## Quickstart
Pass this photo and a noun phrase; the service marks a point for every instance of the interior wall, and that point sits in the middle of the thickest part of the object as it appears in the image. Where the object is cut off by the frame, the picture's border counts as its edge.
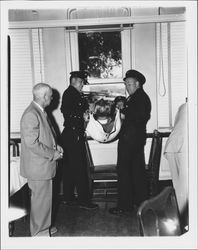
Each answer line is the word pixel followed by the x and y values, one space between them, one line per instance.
pixel 55 66
pixel 143 59
pixel 145 62
pixel 55 53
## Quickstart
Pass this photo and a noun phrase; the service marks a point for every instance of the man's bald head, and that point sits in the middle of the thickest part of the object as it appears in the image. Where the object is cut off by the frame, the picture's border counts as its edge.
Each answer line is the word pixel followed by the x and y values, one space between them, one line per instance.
pixel 42 94
pixel 39 90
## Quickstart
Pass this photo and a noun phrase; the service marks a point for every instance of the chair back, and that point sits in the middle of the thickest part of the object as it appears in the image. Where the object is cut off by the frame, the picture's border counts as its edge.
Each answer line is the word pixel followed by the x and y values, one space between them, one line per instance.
pixel 154 163
pixel 90 167
pixel 14 148
pixel 19 202
pixel 159 216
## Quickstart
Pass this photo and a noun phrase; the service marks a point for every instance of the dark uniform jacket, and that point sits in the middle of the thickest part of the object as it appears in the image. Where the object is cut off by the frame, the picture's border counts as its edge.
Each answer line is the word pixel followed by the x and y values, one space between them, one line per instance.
pixel 73 107
pixel 137 114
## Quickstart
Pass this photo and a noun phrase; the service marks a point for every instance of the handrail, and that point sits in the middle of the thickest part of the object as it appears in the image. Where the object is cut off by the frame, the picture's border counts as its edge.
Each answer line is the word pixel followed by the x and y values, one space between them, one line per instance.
pixel 148 135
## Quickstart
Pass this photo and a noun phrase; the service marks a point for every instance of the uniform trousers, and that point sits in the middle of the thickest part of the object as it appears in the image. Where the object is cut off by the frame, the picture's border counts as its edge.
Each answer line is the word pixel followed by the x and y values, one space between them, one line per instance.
pixel 41 207
pixel 75 171
pixel 132 180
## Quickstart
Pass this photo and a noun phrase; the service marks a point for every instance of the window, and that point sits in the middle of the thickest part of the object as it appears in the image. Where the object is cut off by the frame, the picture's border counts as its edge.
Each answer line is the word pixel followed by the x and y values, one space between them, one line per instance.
pixel 102 50
pixel 100 54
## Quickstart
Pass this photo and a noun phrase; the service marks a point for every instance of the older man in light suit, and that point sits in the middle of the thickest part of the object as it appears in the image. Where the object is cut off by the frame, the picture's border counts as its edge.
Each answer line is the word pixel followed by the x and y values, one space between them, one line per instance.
pixel 176 152
pixel 39 153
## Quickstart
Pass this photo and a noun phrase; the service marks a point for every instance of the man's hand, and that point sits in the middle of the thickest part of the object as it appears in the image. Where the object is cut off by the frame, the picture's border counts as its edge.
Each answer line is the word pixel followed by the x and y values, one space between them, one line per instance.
pixel 86 116
pixel 58 153
pixel 60 149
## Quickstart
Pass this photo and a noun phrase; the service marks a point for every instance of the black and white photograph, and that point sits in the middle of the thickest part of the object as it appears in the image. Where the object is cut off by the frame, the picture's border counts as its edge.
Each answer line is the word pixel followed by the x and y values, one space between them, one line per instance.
pixel 99 125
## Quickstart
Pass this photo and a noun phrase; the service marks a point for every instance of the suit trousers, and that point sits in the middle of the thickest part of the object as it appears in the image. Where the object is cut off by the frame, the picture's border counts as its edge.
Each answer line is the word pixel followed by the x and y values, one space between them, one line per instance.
pixel 178 164
pixel 132 180
pixel 75 169
pixel 41 207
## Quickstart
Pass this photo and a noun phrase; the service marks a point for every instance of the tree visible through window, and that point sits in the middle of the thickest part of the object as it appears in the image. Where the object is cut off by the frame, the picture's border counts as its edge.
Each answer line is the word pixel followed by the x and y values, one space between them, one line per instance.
pixel 100 54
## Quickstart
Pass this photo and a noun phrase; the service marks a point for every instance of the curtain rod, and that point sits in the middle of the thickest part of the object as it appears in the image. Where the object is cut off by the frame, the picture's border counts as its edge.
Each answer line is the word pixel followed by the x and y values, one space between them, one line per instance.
pixel 96 21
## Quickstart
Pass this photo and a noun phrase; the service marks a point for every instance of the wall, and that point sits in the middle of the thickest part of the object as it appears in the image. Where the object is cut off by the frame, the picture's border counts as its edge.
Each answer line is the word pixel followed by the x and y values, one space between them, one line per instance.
pixel 144 60
pixel 143 49
pixel 55 67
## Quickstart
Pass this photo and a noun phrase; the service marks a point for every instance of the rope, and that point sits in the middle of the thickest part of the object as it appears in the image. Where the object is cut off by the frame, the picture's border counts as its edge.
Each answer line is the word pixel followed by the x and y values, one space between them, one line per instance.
pixel 161 66
pixel 39 42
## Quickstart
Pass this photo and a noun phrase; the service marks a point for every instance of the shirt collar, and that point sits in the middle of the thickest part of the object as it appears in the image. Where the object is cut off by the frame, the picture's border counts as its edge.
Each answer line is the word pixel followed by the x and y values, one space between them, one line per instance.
pixel 39 106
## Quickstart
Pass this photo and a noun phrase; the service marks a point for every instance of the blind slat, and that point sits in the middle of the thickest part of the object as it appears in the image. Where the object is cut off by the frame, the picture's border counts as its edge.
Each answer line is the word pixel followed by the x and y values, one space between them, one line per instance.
pixel 171 101
pixel 24 68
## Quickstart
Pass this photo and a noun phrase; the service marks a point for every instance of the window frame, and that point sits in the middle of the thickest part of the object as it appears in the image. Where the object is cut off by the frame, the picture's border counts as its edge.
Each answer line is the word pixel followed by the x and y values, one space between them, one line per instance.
pixel 96 81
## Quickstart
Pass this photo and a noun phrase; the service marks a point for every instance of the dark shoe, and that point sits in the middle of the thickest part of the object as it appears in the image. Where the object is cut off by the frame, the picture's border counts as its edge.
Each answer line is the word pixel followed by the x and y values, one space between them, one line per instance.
pixel 118 211
pixel 53 230
pixel 88 206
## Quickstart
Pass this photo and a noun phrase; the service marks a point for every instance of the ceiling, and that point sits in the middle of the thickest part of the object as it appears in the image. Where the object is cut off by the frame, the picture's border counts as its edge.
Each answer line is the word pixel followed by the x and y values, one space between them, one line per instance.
pixel 80 13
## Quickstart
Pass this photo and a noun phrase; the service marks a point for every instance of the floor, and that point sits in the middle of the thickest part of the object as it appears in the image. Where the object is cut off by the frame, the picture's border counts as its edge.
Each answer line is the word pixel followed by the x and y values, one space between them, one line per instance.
pixel 76 221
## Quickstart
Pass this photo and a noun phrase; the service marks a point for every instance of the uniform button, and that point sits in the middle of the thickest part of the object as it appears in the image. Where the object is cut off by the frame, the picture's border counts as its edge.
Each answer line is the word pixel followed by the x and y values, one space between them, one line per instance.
pixel 54 146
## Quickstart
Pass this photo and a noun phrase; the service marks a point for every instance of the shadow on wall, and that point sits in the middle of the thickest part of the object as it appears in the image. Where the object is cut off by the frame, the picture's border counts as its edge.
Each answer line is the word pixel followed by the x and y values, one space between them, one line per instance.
pixel 57 179
pixel 53 106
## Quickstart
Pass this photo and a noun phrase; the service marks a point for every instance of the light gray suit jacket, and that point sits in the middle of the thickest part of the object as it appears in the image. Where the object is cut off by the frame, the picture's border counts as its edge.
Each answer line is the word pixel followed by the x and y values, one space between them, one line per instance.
pixel 38 145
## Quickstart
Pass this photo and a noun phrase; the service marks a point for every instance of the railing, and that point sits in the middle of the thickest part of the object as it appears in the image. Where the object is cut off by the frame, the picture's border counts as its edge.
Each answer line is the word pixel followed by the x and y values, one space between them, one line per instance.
pixel 152 167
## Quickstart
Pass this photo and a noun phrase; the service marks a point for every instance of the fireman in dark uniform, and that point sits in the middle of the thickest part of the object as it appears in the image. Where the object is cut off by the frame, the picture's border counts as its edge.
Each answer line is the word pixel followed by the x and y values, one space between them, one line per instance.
pixel 132 181
pixel 75 174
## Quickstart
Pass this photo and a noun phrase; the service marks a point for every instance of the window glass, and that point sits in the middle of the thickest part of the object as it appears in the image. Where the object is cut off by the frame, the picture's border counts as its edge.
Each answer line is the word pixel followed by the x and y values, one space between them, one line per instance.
pixel 100 54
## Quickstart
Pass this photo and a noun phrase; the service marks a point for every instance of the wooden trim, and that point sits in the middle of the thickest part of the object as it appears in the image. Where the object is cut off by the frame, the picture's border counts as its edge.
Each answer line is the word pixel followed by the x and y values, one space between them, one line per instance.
pixel 96 21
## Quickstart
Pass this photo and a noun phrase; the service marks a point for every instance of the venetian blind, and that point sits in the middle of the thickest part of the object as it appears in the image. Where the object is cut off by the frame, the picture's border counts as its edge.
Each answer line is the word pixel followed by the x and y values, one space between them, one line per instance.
pixel 178 55
pixel 171 71
pixel 26 61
